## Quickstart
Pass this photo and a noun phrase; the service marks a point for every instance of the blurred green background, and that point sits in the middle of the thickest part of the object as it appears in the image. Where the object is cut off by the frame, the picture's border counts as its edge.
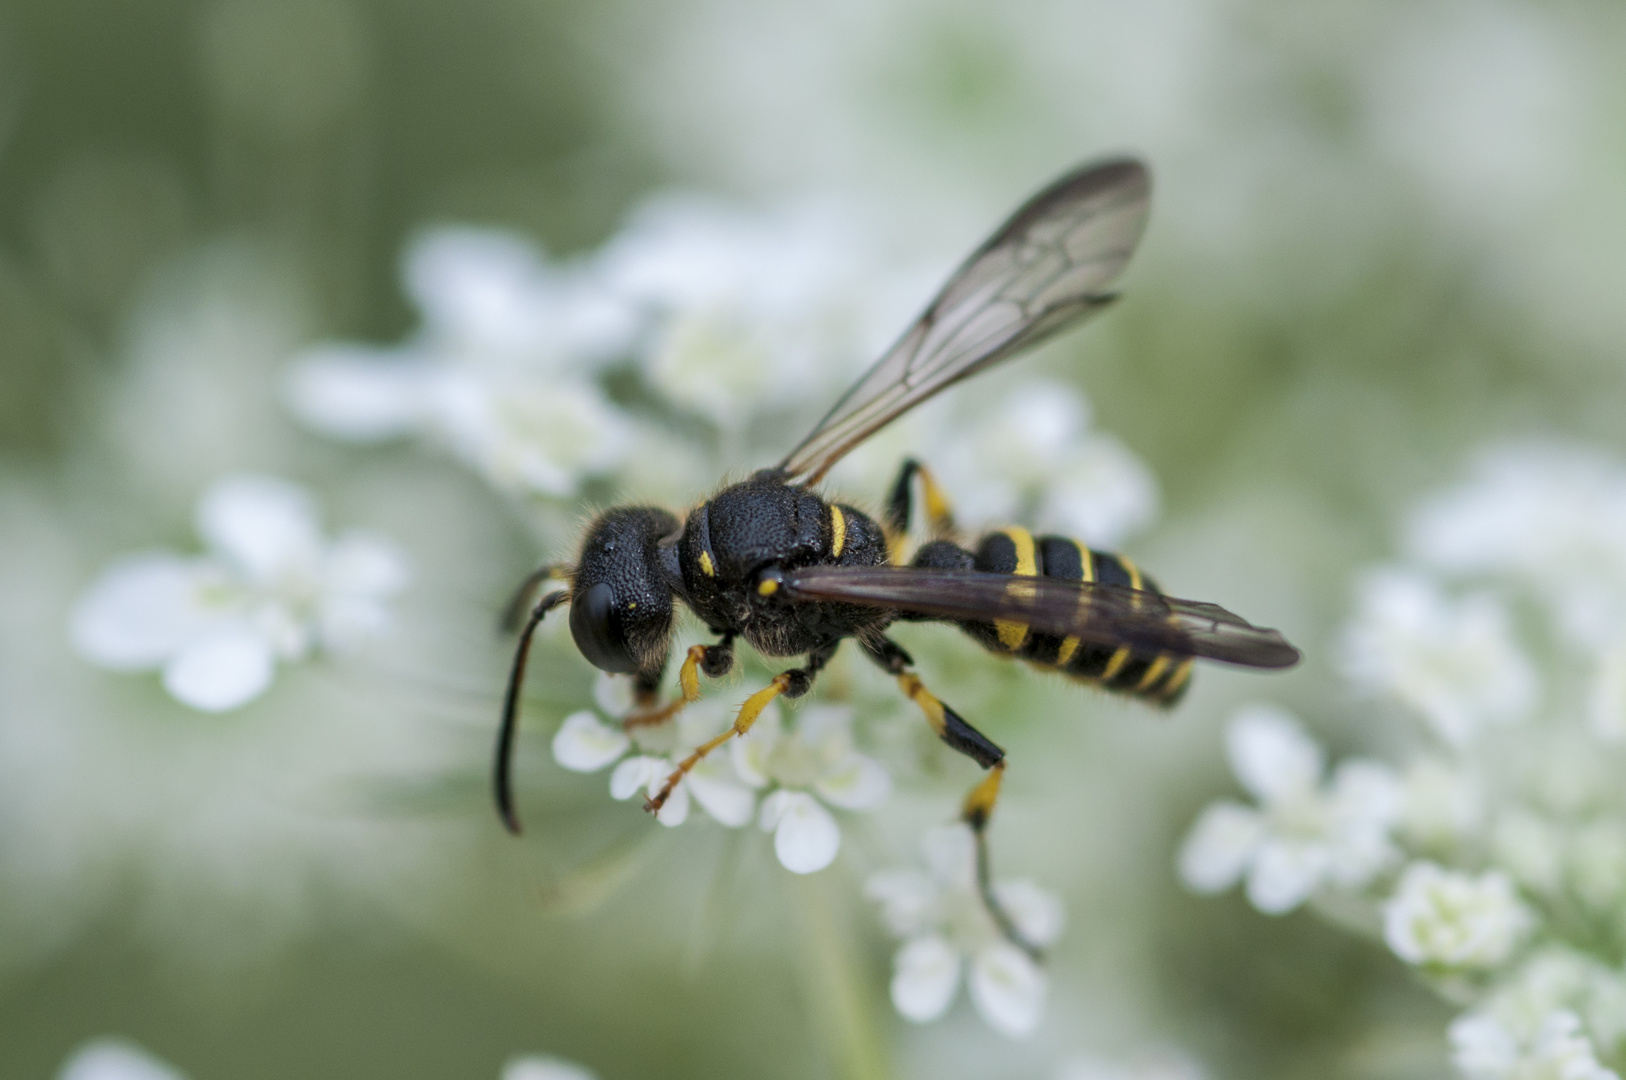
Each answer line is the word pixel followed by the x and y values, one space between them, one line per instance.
pixel 1382 233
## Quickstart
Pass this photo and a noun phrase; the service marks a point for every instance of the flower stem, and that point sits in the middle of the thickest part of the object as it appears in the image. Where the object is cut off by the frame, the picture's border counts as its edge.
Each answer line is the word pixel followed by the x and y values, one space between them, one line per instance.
pixel 833 983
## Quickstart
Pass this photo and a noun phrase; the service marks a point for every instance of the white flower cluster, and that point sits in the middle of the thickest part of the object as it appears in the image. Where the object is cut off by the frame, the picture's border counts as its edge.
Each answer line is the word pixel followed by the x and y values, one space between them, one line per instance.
pixel 796 771
pixel 543 376
pixel 946 929
pixel 269 589
pixel 1495 861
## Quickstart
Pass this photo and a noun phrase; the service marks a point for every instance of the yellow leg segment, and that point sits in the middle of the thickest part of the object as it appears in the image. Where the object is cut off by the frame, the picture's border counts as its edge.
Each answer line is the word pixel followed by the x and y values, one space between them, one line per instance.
pixel 742 723
pixel 688 681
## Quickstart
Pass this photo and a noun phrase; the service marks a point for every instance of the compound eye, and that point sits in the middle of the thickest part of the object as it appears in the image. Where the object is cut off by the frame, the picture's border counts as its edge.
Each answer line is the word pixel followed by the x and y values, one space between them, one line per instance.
pixel 596 626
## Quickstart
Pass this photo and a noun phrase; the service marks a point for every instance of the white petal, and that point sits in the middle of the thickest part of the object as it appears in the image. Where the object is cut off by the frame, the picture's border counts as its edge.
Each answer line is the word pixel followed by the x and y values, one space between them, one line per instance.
pixel 476 286
pixel 675 811
pixel 751 752
pixel 613 694
pixel 856 782
pixel 114 1059
pixel 220 672
pixel 908 899
pixel 583 744
pixel 1219 847
pixel 635 774
pixel 140 611
pixel 1007 988
pixel 1271 754
pixel 261 524
pixel 1285 874
pixel 805 836
pixel 721 794
pixel 367 564
pixel 356 393
pixel 1038 914
pixel 925 974
pixel 537 1067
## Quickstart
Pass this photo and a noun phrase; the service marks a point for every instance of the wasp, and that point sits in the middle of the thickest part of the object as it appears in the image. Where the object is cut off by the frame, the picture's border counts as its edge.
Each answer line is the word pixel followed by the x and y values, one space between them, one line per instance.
pixel 773 562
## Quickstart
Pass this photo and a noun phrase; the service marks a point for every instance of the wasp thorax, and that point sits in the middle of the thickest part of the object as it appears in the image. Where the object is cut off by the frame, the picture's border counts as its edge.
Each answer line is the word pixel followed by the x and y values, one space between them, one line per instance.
pixel 621 597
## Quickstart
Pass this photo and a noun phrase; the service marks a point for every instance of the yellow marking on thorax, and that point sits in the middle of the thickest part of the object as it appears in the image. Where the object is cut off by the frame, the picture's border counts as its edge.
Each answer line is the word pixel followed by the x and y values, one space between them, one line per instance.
pixel 706 566
pixel 838 531
pixel 1013 634
pixel 1086 562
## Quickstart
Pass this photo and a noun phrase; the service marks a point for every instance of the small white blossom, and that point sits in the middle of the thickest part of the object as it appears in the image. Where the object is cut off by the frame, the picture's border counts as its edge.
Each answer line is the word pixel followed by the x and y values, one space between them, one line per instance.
pixel 1483 1049
pixel 1303 834
pixel 1551 515
pixel 269 588
pixel 585 743
pixel 1035 458
pixel 945 927
pixel 1440 804
pixel 817 758
pixel 115 1059
pixel 1455 662
pixel 1443 917
pixel 749 309
pixel 544 1067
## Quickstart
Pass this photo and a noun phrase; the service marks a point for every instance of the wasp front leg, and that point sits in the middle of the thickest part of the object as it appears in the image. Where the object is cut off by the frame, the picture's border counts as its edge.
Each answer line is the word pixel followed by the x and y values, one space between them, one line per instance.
pixel 716 660
pixel 790 684
pixel 978 807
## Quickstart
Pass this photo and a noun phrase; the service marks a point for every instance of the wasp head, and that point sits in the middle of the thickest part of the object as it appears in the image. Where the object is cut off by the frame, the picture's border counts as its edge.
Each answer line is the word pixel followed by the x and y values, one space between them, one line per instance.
pixel 621 596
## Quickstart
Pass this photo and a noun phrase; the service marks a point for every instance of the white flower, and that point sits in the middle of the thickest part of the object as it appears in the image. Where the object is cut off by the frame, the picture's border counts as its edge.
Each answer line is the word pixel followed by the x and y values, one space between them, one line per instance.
pixel 1035 458
pixel 1440 804
pixel 584 743
pixel 1455 662
pixel 944 925
pixel 817 758
pixel 748 309
pixel 501 372
pixel 1302 835
pixel 1452 919
pixel 1483 1049
pixel 543 1067
pixel 270 588
pixel 1553 516
pixel 115 1059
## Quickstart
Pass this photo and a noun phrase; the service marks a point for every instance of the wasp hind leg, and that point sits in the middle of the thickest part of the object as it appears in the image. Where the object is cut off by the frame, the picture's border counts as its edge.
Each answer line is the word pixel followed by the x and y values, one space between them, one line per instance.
pixel 978 807
pixel 791 684
pixel 900 507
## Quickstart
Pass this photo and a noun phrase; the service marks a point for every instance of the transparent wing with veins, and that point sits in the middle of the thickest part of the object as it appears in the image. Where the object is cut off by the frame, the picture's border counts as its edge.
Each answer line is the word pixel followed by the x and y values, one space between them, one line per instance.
pixel 1047 268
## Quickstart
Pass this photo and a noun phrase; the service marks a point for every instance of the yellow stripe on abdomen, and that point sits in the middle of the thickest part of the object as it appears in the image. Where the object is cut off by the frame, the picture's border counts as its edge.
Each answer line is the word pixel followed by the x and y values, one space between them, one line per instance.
pixel 1012 635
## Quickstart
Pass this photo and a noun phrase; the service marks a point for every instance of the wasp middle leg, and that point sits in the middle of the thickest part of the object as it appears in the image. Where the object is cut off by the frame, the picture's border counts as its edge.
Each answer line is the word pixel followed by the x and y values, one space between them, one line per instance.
pixel 978 807
pixel 790 684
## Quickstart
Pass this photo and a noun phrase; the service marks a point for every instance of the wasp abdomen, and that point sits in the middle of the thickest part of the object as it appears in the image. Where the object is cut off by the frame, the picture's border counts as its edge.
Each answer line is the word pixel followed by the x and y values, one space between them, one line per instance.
pixel 1155 677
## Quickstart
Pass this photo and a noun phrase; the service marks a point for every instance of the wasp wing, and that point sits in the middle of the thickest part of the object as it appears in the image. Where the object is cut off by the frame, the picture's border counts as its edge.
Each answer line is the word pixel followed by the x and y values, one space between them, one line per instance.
pixel 1105 614
pixel 1047 268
